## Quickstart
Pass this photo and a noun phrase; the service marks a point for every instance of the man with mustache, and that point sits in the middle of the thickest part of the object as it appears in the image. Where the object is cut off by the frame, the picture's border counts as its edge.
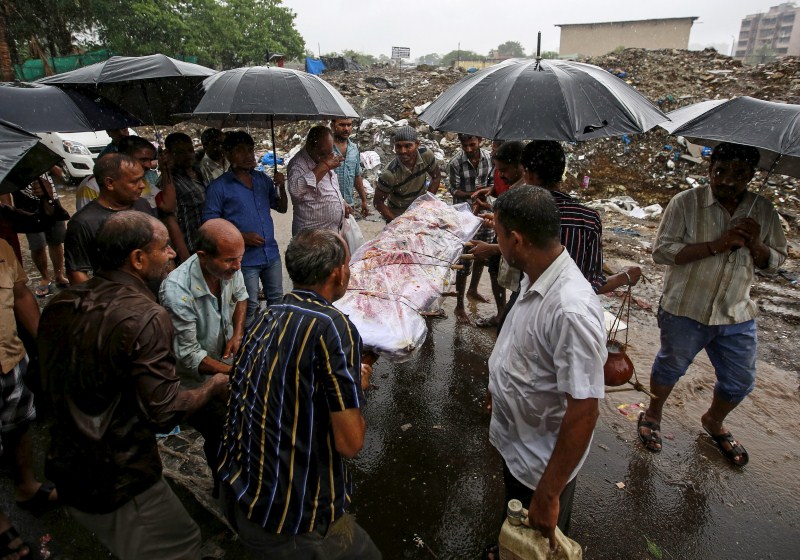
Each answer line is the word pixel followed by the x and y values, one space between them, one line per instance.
pixel 244 196
pixel 121 179
pixel 108 365
pixel 711 239
pixel 207 301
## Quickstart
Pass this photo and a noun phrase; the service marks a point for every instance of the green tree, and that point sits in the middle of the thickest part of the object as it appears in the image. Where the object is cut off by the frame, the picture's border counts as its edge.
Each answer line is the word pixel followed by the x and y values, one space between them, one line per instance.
pixel 222 34
pixel 51 24
pixel 359 57
pixel 452 56
pixel 511 48
pixel 433 59
pixel 548 54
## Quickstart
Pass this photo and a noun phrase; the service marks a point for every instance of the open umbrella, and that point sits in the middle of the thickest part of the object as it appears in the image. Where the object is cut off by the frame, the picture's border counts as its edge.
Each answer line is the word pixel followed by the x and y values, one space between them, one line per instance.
pixel 260 95
pixel 151 87
pixel 544 100
pixel 41 108
pixel 773 128
pixel 22 158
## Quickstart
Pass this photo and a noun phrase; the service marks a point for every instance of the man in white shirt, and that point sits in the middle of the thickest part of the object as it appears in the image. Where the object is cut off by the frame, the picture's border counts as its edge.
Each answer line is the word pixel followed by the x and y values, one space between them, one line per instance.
pixel 546 369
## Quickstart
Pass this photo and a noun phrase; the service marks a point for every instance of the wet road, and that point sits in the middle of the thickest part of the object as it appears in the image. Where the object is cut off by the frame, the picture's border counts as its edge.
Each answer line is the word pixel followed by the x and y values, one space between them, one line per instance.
pixel 427 469
pixel 440 479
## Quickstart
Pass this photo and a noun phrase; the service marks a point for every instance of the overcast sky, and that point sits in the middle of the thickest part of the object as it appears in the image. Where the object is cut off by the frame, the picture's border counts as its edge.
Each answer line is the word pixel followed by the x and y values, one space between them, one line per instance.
pixel 437 26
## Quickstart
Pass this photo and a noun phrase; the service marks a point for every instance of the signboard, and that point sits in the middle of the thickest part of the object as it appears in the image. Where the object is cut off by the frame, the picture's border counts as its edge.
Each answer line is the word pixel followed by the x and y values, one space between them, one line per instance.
pixel 401 52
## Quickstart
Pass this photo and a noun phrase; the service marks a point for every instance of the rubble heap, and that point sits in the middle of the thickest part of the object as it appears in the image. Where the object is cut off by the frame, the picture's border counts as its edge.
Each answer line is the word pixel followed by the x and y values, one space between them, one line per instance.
pixel 649 167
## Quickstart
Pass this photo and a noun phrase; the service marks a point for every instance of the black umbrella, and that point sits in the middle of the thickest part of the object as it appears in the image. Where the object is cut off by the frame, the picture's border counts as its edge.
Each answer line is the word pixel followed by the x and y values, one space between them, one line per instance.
pixel 151 87
pixel 773 128
pixel 41 108
pixel 260 95
pixel 22 158
pixel 544 100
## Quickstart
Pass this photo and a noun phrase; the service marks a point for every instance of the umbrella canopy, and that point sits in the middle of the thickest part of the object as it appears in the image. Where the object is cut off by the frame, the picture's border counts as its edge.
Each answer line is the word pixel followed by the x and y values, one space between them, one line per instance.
pixel 259 95
pixel 773 128
pixel 542 100
pixel 41 108
pixel 22 158
pixel 151 87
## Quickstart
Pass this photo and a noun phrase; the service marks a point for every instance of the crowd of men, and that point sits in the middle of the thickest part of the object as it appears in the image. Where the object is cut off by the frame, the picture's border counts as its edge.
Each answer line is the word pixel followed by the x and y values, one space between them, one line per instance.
pixel 137 345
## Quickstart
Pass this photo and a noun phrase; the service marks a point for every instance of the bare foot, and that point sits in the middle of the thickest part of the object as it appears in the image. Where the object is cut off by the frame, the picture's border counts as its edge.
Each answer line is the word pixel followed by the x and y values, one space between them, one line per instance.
pixel 461 317
pixel 475 296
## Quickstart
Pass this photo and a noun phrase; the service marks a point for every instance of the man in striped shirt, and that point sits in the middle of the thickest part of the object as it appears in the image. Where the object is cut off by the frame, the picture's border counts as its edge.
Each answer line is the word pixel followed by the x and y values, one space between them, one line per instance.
pixel 581 229
pixel 295 415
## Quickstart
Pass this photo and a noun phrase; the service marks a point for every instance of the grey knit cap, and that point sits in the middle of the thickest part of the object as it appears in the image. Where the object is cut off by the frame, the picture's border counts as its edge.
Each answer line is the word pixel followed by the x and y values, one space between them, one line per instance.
pixel 405 134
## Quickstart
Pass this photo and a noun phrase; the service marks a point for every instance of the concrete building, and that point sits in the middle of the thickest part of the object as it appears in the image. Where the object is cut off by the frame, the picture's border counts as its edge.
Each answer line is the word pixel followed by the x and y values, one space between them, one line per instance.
pixel 594 39
pixel 765 36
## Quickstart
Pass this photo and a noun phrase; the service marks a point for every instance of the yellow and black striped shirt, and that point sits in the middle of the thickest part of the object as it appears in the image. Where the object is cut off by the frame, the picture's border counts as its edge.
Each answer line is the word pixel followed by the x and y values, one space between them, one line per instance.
pixel 299 362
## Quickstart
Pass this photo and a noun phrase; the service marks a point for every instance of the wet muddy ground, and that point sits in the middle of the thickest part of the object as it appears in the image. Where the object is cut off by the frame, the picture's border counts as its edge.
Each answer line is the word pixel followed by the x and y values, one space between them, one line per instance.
pixel 427 471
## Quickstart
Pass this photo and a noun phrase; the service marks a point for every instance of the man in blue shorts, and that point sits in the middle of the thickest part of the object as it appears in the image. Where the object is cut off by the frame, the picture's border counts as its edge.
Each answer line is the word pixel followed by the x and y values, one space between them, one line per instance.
pixel 711 239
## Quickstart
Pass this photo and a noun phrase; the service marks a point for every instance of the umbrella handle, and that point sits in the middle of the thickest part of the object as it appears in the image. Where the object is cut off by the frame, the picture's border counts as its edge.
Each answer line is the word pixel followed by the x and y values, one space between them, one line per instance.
pixel 764 183
pixel 274 153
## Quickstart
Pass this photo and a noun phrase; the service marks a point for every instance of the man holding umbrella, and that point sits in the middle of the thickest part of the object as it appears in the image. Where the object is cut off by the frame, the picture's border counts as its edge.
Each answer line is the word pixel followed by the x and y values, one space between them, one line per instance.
pixel 711 239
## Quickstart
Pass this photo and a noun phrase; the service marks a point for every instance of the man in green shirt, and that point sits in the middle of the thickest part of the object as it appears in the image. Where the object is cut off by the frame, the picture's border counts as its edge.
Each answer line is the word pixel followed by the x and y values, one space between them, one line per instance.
pixel 406 177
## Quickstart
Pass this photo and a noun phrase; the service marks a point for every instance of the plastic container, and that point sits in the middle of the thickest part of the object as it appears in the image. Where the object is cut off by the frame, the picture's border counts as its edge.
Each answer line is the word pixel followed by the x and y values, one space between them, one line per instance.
pixel 520 542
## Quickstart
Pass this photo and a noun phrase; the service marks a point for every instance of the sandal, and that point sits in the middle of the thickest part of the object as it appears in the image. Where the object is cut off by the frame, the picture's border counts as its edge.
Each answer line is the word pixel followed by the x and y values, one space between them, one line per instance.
pixel 653 439
pixel 43 290
pixel 491 552
pixel 6 538
pixel 486 322
pixel 735 450
pixel 40 502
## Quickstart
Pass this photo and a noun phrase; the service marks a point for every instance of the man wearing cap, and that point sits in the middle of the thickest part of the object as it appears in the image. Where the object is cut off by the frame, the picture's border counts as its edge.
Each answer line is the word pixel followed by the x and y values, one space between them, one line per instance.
pixel 406 177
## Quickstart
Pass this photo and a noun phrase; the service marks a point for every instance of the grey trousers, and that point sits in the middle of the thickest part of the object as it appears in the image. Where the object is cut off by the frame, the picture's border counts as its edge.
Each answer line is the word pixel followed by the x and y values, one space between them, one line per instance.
pixel 153 525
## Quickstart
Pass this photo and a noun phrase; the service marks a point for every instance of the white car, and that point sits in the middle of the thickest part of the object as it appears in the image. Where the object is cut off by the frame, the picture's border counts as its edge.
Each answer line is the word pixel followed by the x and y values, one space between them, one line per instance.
pixel 79 150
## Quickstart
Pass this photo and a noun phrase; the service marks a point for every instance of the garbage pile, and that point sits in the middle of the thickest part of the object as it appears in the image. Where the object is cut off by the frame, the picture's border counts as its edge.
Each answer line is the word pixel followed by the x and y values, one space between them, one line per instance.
pixel 651 168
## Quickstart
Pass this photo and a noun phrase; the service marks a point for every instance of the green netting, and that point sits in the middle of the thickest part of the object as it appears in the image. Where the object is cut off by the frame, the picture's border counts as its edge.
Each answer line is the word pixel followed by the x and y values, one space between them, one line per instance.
pixel 33 69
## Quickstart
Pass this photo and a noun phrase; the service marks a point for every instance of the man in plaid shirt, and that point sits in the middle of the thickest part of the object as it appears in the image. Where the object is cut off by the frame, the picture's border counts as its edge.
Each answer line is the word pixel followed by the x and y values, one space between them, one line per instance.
pixel 470 170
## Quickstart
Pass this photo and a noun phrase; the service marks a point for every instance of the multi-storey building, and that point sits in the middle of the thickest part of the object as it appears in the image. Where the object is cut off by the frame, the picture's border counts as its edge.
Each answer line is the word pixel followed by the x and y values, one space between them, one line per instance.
pixel 773 34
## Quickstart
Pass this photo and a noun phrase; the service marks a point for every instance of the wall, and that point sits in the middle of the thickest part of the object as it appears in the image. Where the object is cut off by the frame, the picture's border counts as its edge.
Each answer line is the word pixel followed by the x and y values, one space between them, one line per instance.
pixel 594 39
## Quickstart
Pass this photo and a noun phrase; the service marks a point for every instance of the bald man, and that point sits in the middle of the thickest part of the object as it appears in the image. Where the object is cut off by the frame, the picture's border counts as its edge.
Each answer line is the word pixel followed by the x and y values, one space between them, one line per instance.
pixel 207 300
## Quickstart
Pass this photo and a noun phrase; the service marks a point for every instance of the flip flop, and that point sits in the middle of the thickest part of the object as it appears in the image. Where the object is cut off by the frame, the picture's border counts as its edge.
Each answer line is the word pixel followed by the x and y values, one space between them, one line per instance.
pixel 653 438
pixel 43 290
pixel 736 449
pixel 40 502
pixel 6 538
pixel 485 322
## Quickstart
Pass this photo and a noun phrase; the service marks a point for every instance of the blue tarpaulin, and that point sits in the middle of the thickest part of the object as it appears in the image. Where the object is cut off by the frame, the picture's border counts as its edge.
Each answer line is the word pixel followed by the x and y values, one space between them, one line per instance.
pixel 314 66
